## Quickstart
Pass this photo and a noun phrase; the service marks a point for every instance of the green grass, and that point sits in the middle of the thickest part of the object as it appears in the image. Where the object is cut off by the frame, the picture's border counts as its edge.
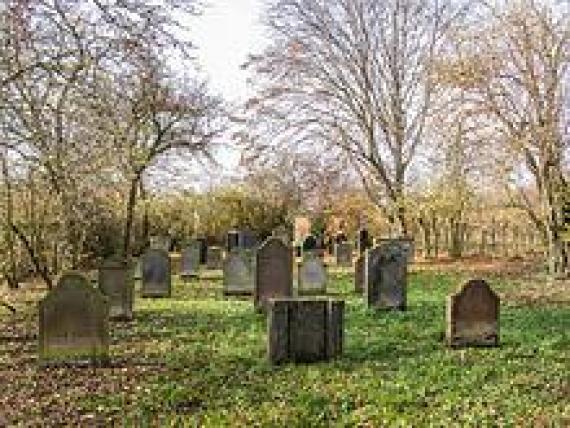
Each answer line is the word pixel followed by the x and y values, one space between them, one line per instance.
pixel 202 361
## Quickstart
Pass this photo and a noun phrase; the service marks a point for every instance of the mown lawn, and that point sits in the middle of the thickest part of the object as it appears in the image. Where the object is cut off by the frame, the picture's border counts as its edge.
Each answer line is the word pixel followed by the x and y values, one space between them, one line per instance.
pixel 199 359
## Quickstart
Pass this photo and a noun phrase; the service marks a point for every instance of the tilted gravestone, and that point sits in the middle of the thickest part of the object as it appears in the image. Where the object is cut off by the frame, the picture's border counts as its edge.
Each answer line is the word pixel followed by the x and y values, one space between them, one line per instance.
pixel 359 274
pixel 73 323
pixel 343 253
pixel 215 258
pixel 273 273
pixel 190 260
pixel 473 316
pixel 312 276
pixel 239 272
pixel 116 281
pixel 304 330
pixel 385 276
pixel 156 275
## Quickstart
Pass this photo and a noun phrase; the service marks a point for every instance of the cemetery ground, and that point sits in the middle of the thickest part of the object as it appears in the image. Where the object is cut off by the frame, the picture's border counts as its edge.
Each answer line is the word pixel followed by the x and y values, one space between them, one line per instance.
pixel 199 358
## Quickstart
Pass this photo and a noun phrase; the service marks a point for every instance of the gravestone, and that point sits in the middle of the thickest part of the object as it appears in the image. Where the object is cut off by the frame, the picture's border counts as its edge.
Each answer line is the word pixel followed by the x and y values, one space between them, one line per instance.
pixel 385 276
pixel 407 245
pixel 304 330
pixel 160 242
pixel 156 275
pixel 312 276
pixel 190 260
pixel 473 316
pixel 248 240
pixel 343 254
pixel 233 240
pixel 117 283
pixel 73 323
pixel 359 274
pixel 239 272
pixel 215 258
pixel 274 272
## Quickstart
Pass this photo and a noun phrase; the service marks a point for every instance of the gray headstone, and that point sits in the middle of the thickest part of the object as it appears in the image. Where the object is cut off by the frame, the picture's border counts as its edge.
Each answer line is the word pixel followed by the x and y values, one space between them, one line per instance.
pixel 239 272
pixel 190 260
pixel 215 258
pixel 74 323
pixel 359 274
pixel 473 316
pixel 312 276
pixel 343 252
pixel 274 272
pixel 117 283
pixel 304 330
pixel 156 275
pixel 385 276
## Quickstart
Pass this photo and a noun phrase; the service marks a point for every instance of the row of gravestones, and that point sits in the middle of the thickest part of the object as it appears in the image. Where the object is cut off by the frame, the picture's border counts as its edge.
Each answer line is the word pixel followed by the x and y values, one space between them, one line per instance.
pixel 74 315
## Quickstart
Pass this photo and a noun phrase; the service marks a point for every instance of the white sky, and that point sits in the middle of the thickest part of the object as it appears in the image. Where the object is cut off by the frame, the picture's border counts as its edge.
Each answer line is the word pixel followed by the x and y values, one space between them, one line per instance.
pixel 225 34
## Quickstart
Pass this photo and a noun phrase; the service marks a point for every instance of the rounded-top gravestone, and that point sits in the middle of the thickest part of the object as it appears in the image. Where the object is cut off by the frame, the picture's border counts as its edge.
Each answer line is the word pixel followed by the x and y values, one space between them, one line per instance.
pixel 156 275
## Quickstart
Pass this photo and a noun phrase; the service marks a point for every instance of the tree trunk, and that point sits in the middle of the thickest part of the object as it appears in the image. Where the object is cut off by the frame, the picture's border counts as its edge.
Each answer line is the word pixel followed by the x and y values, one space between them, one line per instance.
pixel 129 216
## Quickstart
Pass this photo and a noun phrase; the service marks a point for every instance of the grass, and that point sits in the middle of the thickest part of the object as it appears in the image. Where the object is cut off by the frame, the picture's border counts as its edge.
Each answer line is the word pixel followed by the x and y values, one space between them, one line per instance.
pixel 199 359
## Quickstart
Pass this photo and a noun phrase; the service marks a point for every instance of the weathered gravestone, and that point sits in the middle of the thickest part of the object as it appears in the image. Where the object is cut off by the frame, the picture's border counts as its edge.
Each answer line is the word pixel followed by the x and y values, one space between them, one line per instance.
pixel 74 323
pixel 239 272
pixel 116 281
pixel 156 275
pixel 190 260
pixel 233 240
pixel 273 273
pixel 407 245
pixel 359 274
pixel 312 276
pixel 160 242
pixel 343 254
pixel 473 316
pixel 304 330
pixel 215 258
pixel 385 276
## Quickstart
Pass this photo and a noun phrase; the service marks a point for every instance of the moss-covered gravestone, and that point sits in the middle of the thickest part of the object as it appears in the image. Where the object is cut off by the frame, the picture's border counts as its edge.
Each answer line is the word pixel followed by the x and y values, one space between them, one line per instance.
pixel 343 254
pixel 239 272
pixel 473 316
pixel 190 260
pixel 117 283
pixel 304 330
pixel 156 275
pixel 312 275
pixel 273 272
pixel 385 276
pixel 74 323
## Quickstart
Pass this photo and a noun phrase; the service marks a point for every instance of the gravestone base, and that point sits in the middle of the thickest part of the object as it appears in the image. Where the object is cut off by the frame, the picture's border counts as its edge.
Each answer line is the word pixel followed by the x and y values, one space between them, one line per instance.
pixel 304 330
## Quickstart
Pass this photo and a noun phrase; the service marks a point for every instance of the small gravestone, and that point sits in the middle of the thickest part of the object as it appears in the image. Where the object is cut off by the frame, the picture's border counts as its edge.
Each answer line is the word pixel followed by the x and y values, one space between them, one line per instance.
pixel 274 272
pixel 73 323
pixel 359 274
pixel 473 316
pixel 190 260
pixel 215 258
pixel 160 242
pixel 233 240
pixel 117 283
pixel 385 276
pixel 156 275
pixel 239 272
pixel 407 245
pixel 304 330
pixel 312 276
pixel 343 254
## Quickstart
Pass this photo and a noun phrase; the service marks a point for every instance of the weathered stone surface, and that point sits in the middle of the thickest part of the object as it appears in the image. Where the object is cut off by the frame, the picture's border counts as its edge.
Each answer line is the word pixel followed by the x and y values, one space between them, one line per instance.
pixel 156 275
pixel 312 276
pixel 137 275
pixel 407 244
pixel 359 274
pixel 304 330
pixel 239 272
pixel 274 272
pixel 73 323
pixel 233 238
pixel 473 316
pixel 190 260
pixel 215 258
pixel 385 276
pixel 117 283
pixel 343 253
pixel 160 242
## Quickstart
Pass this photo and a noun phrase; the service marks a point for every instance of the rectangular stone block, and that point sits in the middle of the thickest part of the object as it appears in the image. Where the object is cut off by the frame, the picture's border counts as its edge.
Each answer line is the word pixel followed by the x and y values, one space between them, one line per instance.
pixel 343 253
pixel 117 283
pixel 215 258
pixel 156 276
pixel 312 276
pixel 190 260
pixel 239 272
pixel 385 276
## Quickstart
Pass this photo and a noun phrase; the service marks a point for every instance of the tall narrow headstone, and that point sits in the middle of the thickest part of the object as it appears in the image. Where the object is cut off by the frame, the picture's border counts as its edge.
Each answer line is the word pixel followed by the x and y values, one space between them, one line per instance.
pixel 473 316
pixel 190 260
pixel 385 276
pixel 203 250
pixel 233 240
pixel 73 323
pixel 359 274
pixel 116 281
pixel 239 272
pixel 274 272
pixel 156 281
pixel 215 258
pixel 312 276
pixel 343 253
